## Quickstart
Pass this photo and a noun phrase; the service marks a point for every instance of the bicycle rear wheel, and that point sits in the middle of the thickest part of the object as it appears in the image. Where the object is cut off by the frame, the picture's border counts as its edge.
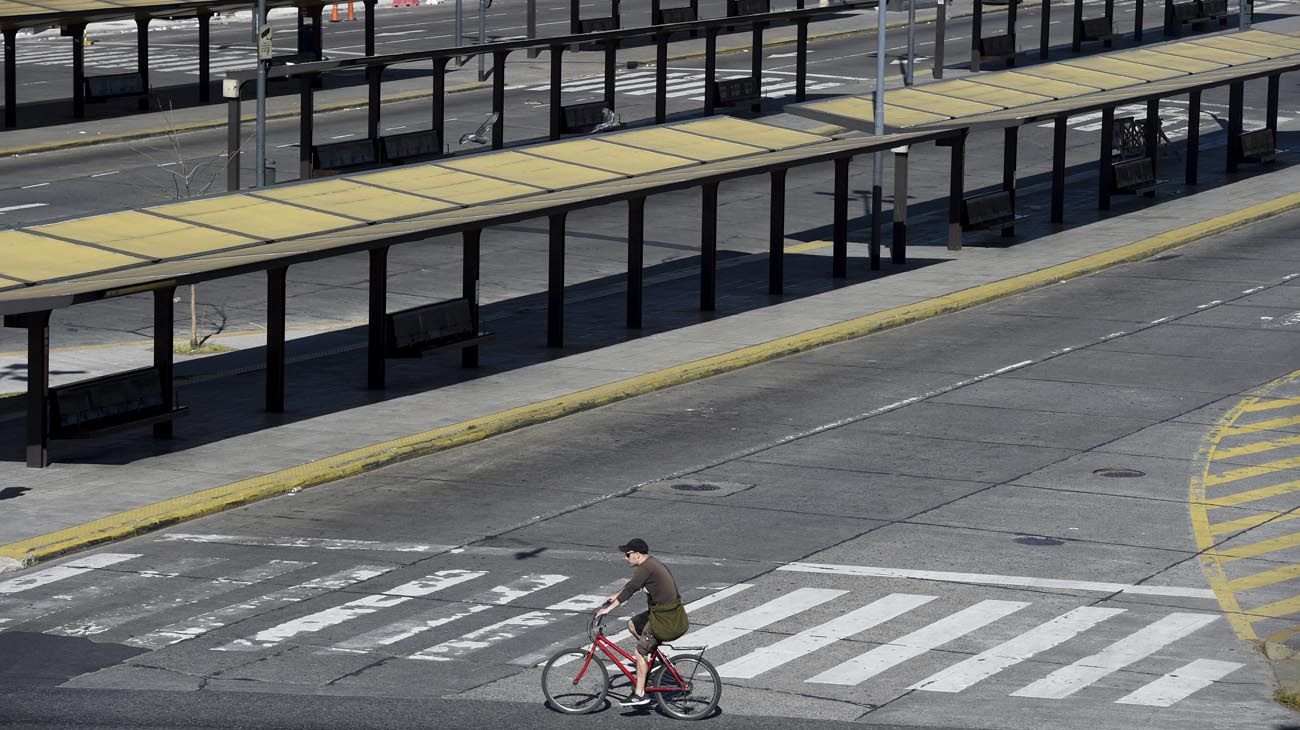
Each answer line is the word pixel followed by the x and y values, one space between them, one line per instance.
pixel 575 686
pixel 694 699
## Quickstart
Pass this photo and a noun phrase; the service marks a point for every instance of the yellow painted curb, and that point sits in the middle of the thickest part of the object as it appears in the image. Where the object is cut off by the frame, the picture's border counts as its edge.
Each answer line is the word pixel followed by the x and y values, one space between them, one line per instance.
pixel 357 461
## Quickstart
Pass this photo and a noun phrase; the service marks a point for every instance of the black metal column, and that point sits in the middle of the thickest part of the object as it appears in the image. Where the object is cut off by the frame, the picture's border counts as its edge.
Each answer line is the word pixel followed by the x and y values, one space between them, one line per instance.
pixel 1110 21
pixel 611 66
pixel 710 66
pixel 369 5
pixel 499 98
pixel 557 81
pixel 205 55
pixel 635 261
pixel 840 227
pixel 469 278
pixel 1270 117
pixel 977 30
pixel 756 62
pixel 232 144
pixel 306 125
pixel 142 48
pixel 956 188
pixel 1044 33
pixel 1011 31
pixel 555 283
pixel 661 78
pixel 275 356
pixel 377 336
pixel 1171 24
pixel 709 247
pixel 898 241
pixel 1077 43
pixel 1058 169
pixel 1236 98
pixel 1106 160
pixel 1138 20
pixel 78 71
pixel 374 81
pixel 574 25
pixel 776 236
pixel 164 325
pixel 1151 138
pixel 439 109
pixel 1193 136
pixel 801 60
pixel 38 388
pixel 11 77
pixel 877 213
pixel 1010 140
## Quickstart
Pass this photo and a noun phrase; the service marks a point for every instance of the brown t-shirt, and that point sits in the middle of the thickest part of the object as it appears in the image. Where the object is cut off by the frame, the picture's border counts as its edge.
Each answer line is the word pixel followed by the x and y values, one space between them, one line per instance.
pixel 653 576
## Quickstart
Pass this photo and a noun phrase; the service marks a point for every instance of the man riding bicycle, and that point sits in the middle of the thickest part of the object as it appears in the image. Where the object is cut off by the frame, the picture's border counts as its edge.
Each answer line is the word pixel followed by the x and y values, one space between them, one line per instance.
pixel 665 618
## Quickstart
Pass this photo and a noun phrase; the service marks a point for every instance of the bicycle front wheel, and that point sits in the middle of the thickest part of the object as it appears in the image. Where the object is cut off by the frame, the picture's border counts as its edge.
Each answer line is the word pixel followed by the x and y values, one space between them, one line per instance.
pixel 574 685
pixel 695 695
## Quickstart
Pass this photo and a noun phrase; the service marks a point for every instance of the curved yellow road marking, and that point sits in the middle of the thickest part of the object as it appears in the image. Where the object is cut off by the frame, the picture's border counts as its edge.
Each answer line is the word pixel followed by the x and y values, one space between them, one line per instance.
pixel 1212 560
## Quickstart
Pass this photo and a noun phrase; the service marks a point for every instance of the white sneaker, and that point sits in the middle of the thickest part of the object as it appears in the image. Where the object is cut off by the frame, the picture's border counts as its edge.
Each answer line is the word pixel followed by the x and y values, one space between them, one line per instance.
pixel 634 700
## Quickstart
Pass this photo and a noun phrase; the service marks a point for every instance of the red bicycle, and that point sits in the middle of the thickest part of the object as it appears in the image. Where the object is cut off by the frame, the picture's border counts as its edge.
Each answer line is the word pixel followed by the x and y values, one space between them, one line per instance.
pixel 685 687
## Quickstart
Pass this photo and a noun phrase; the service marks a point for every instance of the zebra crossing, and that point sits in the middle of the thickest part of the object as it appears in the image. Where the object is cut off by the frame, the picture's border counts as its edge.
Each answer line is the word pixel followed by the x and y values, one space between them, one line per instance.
pixel 686 83
pixel 123 57
pixel 462 613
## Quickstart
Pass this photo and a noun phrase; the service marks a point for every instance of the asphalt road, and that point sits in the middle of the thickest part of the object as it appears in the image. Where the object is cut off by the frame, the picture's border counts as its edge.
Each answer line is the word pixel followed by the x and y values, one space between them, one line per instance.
pixel 997 500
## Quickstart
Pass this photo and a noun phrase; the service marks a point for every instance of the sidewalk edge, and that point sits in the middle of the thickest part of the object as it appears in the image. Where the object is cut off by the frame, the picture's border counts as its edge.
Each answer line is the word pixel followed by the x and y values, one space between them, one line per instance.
pixel 217 499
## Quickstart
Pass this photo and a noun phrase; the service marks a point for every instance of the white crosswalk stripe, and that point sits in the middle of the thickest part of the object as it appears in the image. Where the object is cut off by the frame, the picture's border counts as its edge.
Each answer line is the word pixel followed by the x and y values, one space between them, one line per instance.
pixel 805 642
pixel 1035 641
pixel 183 596
pixel 682 84
pixel 60 572
pixel 352 609
pixel 116 57
pixel 728 629
pixel 1180 683
pixel 1139 645
pixel 213 620
pixel 865 666
pixel 83 627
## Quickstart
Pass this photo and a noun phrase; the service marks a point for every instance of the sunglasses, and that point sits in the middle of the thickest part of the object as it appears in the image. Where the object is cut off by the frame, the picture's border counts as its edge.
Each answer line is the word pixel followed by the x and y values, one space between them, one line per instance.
pixel 629 553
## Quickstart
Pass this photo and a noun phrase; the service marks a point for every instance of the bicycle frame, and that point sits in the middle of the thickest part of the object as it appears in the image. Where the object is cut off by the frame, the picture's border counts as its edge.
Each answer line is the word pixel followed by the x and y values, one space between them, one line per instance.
pixel 622 659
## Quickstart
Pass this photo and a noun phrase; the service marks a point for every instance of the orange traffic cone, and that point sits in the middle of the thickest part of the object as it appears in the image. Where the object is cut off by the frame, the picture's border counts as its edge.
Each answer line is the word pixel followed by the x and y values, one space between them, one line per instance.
pixel 352 15
pixel 334 13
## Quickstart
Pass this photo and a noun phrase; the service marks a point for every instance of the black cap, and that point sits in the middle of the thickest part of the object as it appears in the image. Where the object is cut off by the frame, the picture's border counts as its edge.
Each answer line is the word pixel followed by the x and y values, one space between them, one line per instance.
pixel 635 544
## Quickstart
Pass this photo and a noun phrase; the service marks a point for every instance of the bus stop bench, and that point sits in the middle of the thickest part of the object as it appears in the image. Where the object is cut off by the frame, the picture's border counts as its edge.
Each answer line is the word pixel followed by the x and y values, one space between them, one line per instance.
pixel 996 47
pixel 399 149
pixel 1097 29
pixel 1213 10
pixel 92 407
pixel 349 155
pixel 430 327
pixel 1257 146
pixel 732 92
pixel 114 86
pixel 988 211
pixel 1134 176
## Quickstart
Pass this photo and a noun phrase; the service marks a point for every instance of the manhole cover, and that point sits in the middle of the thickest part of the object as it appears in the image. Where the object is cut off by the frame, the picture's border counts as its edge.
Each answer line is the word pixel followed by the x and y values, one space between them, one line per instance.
pixel 696 487
pixel 1119 473
pixel 1039 541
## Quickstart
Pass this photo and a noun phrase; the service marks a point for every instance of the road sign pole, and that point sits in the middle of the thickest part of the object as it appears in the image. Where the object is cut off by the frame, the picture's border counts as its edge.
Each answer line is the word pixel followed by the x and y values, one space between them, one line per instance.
pixel 263 29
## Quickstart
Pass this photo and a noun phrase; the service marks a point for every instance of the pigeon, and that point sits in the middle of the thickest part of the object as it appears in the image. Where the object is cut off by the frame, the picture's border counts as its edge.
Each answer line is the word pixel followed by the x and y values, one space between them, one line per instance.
pixel 610 121
pixel 479 136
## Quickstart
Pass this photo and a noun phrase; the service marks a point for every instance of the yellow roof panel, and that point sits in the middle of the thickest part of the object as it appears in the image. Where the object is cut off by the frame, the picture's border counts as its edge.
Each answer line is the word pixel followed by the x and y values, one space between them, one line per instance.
pixel 1206 53
pixel 536 171
pixel 75 5
pixel 1083 76
pixel 754 133
pixel 144 235
pixel 1165 60
pixel 682 144
pixel 1238 45
pixel 995 95
pixel 1034 84
pixel 455 186
pixel 14 10
pixel 920 100
pixel 1108 65
pixel 365 202
pixel 1277 39
pixel 32 258
pixel 252 216
pixel 862 108
pixel 606 156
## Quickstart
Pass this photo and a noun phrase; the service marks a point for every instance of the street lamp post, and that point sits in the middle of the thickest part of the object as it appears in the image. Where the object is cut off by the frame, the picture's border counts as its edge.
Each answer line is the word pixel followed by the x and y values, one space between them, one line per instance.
pixel 263 31
pixel 878 158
